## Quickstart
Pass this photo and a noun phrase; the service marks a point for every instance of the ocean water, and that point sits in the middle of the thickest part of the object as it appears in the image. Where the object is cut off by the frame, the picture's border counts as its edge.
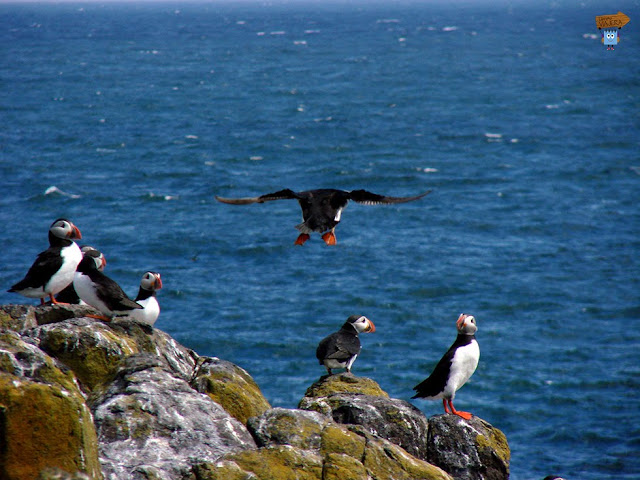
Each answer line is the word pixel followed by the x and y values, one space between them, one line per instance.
pixel 128 118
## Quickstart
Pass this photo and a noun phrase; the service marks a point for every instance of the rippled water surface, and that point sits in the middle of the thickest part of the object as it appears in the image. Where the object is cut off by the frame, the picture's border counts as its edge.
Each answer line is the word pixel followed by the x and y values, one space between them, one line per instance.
pixel 522 124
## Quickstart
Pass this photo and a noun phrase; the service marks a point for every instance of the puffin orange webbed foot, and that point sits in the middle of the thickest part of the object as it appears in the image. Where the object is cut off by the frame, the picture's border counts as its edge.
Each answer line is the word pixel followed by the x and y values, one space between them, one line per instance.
pixel 303 237
pixel 465 415
pixel 329 238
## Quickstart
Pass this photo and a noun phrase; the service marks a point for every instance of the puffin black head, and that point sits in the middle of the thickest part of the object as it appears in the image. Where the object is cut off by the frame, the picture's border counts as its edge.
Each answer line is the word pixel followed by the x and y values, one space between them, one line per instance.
pixel 151 281
pixel 466 324
pixel 97 256
pixel 360 324
pixel 88 263
pixel 64 229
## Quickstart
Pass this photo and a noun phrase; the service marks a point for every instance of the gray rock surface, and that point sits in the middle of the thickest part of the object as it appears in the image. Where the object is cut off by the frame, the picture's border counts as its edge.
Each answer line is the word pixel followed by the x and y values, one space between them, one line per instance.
pixel 282 426
pixel 468 449
pixel 151 423
pixel 390 418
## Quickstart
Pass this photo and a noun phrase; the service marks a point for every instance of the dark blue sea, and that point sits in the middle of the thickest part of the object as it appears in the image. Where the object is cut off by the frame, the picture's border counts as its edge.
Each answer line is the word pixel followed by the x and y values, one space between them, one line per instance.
pixel 128 118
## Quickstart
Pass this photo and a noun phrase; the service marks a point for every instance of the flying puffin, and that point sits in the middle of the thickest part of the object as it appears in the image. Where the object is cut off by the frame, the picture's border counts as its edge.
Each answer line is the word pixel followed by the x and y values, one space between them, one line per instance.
pixel 454 368
pixel 54 268
pixel 96 289
pixel 322 208
pixel 340 349
pixel 69 295
pixel 150 282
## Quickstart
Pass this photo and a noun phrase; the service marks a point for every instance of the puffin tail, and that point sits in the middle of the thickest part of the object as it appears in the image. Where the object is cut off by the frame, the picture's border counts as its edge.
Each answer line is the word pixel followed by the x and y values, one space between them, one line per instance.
pixel 303 228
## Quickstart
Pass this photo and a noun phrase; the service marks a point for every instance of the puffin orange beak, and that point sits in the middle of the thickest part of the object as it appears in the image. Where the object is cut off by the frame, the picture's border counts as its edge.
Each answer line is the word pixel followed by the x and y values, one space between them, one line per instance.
pixel 75 233
pixel 104 262
pixel 371 328
pixel 158 284
pixel 461 320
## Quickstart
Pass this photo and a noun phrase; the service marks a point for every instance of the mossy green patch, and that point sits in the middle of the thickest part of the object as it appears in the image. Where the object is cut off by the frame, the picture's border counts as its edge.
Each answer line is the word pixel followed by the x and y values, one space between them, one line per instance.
pixel 223 470
pixel 337 439
pixel 343 467
pixel 17 317
pixel 232 388
pixel 497 442
pixel 93 355
pixel 44 426
pixel 289 427
pixel 273 463
pixel 386 461
pixel 344 383
pixel 17 355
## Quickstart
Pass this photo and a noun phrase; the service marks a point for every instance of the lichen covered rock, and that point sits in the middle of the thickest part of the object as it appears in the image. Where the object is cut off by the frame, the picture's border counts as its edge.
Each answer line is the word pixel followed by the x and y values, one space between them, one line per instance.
pixel 271 463
pixel 81 398
pixel 345 453
pixel 17 317
pixel 94 350
pixel 468 449
pixel 281 426
pixel 393 419
pixel 323 448
pixel 45 421
pixel 385 460
pixel 231 387
pixel 342 383
pixel 153 423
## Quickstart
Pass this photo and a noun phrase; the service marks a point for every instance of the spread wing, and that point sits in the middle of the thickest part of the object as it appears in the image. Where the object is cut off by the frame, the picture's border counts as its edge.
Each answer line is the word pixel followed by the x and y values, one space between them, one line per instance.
pixel 368 198
pixel 285 194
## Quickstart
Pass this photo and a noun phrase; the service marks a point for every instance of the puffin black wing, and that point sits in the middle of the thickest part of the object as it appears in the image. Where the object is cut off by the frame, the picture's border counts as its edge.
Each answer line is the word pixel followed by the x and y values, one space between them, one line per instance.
pixel 285 194
pixel 46 264
pixel 435 383
pixel 338 346
pixel 109 292
pixel 368 198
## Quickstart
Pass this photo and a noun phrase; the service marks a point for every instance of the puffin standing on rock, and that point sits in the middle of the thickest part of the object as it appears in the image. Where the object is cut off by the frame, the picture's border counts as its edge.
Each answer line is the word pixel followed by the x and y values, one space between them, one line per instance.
pixel 146 297
pixel 54 268
pixel 322 208
pixel 102 293
pixel 454 368
pixel 69 295
pixel 340 349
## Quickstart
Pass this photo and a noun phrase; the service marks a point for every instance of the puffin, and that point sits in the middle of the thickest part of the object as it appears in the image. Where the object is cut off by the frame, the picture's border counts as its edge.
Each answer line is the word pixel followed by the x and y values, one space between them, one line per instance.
pixel 101 292
pixel 321 208
pixel 146 297
pixel 54 268
pixel 69 295
pixel 454 368
pixel 553 477
pixel 340 349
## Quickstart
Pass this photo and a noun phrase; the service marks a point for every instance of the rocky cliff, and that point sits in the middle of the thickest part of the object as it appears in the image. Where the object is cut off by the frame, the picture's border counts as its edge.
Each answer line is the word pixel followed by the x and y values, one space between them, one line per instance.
pixel 80 398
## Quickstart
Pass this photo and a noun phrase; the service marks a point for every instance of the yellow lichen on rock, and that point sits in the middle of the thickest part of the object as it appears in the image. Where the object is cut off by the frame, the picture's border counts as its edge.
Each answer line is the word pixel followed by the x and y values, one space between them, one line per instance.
pixel 338 466
pixel 231 387
pixel 344 383
pixel 338 439
pixel 94 354
pixel 46 426
pixel 270 463
pixel 385 460
pixel 496 441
